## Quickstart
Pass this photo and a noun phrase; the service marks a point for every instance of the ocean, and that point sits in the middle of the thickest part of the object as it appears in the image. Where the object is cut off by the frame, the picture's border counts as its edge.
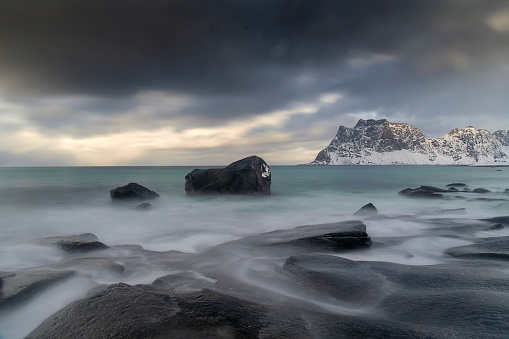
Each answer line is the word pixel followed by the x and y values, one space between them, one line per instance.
pixel 39 202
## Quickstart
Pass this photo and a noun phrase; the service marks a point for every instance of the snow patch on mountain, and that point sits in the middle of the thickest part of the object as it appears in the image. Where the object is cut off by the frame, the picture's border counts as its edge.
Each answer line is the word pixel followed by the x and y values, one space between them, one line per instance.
pixel 380 142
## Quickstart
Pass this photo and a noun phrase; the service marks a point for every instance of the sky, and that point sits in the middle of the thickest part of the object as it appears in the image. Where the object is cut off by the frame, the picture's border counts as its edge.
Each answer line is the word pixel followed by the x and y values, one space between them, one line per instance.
pixel 208 82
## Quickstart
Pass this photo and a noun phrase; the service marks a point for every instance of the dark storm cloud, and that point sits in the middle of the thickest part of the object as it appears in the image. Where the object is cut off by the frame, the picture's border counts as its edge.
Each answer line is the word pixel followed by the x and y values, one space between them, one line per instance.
pixel 240 58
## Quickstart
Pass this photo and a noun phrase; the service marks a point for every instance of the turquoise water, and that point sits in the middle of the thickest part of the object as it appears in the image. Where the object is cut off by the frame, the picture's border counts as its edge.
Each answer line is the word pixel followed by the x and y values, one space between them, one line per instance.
pixel 44 202
pixel 39 202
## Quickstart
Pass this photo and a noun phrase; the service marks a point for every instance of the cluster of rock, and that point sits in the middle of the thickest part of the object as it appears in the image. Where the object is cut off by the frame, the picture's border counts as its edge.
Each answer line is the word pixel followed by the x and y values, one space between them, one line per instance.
pixel 380 142
pixel 452 191
pixel 250 175
pixel 385 299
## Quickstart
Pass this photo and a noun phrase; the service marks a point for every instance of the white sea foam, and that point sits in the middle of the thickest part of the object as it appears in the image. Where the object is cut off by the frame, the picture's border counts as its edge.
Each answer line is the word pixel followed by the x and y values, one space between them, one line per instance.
pixel 53 204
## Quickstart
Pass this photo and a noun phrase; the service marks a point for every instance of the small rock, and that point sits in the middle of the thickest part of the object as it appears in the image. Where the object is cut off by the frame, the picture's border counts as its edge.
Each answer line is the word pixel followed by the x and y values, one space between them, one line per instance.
pixel 132 191
pixel 75 243
pixel 456 184
pixel 423 192
pixel 496 227
pixel 366 210
pixel 145 206
pixel 481 190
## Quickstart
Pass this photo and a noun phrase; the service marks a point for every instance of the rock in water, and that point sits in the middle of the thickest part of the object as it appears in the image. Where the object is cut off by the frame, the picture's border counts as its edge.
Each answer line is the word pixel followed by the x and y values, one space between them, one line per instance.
pixel 75 243
pixel 250 175
pixel 132 191
pixel 144 207
pixel 21 285
pixel 366 210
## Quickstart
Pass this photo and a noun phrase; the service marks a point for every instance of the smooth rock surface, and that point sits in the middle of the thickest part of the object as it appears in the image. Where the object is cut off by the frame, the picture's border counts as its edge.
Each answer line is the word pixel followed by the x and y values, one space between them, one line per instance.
pixel 489 248
pixel 75 243
pixel 132 191
pixel 143 311
pixel 21 285
pixel 250 175
pixel 366 210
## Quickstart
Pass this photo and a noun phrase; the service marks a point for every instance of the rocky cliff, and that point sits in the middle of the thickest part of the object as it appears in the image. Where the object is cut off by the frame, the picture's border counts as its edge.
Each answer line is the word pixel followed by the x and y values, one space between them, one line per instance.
pixel 380 142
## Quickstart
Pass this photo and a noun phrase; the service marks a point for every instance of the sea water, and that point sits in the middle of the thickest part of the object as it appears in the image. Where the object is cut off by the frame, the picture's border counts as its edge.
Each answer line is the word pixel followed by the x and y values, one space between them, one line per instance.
pixel 38 202
pixel 53 201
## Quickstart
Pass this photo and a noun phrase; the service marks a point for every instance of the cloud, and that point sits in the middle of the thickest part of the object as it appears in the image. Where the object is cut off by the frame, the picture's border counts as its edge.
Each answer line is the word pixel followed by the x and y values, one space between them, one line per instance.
pixel 126 81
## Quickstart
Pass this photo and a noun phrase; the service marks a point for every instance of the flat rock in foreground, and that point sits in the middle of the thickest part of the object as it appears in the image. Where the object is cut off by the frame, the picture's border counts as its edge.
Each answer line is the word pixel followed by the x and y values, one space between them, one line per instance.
pixel 144 311
pixel 489 248
pixel 333 236
pixel 20 285
pixel 250 175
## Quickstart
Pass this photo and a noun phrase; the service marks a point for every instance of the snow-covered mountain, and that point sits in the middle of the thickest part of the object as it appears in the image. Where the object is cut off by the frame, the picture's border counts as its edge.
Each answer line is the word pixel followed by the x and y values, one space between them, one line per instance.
pixel 380 142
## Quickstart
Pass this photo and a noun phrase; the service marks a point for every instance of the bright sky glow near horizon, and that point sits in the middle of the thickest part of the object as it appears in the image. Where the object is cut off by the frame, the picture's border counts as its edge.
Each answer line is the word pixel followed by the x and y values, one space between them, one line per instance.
pixel 207 82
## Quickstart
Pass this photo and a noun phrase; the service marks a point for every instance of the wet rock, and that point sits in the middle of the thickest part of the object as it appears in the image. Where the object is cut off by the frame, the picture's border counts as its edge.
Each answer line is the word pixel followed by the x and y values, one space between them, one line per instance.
pixel 341 278
pixel 423 192
pixel 444 300
pixel 453 210
pixel 143 311
pixel 21 285
pixel 76 243
pixel 91 264
pixel 250 175
pixel 501 220
pixel 481 190
pixel 456 184
pixel 489 248
pixel 453 189
pixel 333 237
pixel 132 191
pixel 496 227
pixel 144 207
pixel 366 210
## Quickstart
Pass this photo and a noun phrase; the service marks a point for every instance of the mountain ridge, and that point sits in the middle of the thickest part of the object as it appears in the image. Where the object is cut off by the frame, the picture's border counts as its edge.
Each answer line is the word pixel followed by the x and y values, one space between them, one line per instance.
pixel 380 142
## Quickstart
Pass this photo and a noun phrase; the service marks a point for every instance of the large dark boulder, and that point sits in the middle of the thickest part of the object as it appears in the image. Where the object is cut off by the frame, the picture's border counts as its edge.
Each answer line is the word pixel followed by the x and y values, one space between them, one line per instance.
pixel 132 191
pixel 250 175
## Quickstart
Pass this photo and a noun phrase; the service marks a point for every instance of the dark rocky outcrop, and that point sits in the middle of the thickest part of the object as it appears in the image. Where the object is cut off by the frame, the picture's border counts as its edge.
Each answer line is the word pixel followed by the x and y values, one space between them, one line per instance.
pixel 20 285
pixel 366 210
pixel 132 191
pixel 332 237
pixel 250 175
pixel 501 220
pixel 444 300
pixel 143 311
pixel 423 192
pixel 481 190
pixel 456 184
pixel 75 243
pixel 489 248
